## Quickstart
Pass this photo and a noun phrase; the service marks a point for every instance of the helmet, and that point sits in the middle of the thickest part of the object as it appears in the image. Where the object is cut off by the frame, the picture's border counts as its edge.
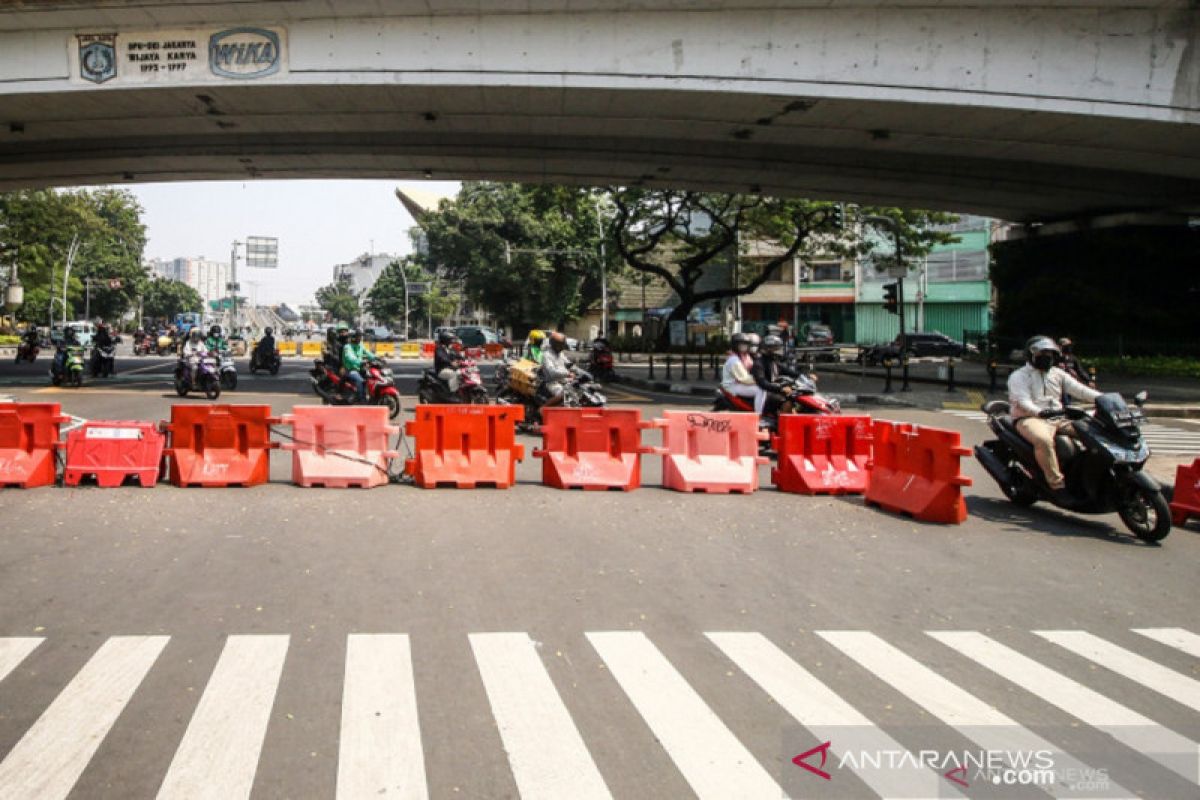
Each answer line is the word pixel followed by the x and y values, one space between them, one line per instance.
pixel 446 336
pixel 194 333
pixel 356 335
pixel 536 337
pixel 738 339
pixel 754 340
pixel 1042 352
pixel 215 330
pixel 267 331
pixel 772 344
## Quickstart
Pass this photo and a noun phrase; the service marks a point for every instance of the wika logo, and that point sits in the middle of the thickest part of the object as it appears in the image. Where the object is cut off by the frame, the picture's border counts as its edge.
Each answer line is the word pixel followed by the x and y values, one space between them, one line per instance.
pixel 244 53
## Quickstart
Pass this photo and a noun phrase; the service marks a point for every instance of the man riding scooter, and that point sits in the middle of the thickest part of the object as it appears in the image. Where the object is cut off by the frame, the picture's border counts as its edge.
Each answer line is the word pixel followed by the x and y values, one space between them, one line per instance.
pixel 1035 393
pixel 556 370
pixel 767 371
pixel 354 358
pixel 60 353
pixel 735 375
pixel 447 360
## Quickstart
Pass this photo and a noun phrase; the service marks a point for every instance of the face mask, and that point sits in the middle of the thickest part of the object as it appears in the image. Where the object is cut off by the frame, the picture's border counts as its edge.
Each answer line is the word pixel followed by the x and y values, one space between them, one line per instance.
pixel 1043 361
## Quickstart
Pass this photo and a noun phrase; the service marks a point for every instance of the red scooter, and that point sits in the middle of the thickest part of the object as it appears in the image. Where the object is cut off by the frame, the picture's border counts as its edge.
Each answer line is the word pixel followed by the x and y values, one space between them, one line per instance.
pixel 804 399
pixel 27 351
pixel 333 389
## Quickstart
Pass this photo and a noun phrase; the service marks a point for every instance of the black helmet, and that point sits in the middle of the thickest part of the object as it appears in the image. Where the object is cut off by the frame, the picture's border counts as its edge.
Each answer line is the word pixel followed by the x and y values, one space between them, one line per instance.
pixel 737 339
pixel 446 336
pixel 215 330
pixel 267 331
pixel 772 344
pixel 355 335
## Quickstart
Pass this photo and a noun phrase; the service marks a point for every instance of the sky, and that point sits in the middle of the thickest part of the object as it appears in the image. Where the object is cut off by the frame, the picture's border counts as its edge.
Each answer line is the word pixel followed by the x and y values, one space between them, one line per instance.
pixel 319 223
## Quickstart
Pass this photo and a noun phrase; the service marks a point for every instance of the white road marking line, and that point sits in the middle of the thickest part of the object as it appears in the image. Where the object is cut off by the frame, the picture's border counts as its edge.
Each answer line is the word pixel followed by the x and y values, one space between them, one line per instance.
pixel 49 758
pixel 380 753
pixel 711 758
pixel 219 753
pixel 828 716
pixel 1129 664
pixel 1128 727
pixel 545 750
pixel 970 716
pixel 13 651
pixel 1179 638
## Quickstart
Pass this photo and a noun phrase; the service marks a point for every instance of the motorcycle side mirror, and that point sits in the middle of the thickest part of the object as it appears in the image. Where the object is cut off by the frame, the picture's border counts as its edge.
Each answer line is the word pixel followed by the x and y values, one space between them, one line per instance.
pixel 1140 398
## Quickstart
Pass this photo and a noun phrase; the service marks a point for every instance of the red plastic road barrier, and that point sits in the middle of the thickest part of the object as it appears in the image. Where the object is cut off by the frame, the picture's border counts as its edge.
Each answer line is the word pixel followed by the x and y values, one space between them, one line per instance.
pixel 220 445
pixel 340 446
pixel 427 349
pixel 1186 502
pixel 493 350
pixel 113 450
pixel 710 451
pixel 28 436
pixel 822 454
pixel 592 448
pixel 916 470
pixel 464 445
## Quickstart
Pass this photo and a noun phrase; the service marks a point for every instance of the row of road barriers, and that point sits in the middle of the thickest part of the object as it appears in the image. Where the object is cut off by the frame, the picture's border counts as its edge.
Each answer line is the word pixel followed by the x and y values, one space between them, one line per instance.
pixel 902 468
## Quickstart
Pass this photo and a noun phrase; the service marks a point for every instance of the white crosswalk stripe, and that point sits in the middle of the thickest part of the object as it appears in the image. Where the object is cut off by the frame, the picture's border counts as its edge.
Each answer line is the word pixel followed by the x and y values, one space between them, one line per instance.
pixel 1162 439
pixel 379 739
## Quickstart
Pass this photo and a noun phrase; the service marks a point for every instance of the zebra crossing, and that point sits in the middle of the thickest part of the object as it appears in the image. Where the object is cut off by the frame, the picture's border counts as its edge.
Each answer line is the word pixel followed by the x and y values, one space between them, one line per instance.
pixel 381 751
pixel 1162 439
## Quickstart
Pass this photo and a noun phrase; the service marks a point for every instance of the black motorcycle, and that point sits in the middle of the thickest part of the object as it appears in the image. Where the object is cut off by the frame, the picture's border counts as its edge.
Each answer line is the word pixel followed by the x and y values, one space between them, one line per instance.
pixel 579 391
pixel 1103 467
pixel 104 361
pixel 471 391
pixel 269 361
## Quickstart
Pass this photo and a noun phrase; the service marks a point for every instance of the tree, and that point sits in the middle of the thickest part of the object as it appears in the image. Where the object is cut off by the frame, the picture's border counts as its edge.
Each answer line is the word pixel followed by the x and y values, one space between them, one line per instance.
pixel 385 301
pixel 164 298
pixel 39 228
pixel 528 253
pixel 339 300
pixel 677 234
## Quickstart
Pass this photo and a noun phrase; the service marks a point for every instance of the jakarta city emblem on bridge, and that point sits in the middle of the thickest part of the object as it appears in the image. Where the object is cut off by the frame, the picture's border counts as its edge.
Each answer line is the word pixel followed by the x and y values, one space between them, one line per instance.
pixel 97 56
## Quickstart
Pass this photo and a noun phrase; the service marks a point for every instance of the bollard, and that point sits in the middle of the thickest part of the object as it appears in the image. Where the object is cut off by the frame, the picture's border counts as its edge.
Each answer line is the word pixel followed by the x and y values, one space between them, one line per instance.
pixel 685 374
pixel 651 357
pixel 950 374
pixel 904 375
pixel 668 366
pixel 991 377
pixel 887 385
pixel 1092 375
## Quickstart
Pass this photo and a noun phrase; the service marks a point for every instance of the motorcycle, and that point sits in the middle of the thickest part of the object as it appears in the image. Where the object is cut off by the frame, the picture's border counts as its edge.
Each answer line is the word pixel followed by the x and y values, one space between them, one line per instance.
pixel 227 370
pixel 804 398
pixel 143 346
pixel 471 391
pixel 1103 467
pixel 205 377
pixel 165 345
pixel 600 363
pixel 268 361
pixel 27 351
pixel 70 370
pixel 104 361
pixel 334 390
pixel 580 391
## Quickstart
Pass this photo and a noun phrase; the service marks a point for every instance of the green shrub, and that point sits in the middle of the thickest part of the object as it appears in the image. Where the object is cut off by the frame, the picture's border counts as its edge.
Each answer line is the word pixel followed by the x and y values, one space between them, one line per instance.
pixel 1156 366
pixel 7 340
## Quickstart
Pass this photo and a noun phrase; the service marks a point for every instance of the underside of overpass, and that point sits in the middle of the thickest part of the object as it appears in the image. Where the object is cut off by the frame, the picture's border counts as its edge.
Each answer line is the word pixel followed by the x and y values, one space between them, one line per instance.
pixel 359 101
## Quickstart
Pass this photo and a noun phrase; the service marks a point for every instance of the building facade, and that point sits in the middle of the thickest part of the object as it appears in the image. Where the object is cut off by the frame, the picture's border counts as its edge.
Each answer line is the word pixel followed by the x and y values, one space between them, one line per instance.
pixel 362 272
pixel 209 278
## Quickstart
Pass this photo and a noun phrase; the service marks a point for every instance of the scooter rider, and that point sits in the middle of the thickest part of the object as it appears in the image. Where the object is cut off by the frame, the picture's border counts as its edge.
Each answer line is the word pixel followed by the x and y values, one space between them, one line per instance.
pixel 536 338
pixel 767 370
pixel 60 353
pixel 265 349
pixel 354 358
pixel 102 340
pixel 447 360
pixel 735 375
pixel 215 341
pixel 1035 393
pixel 193 349
pixel 556 369
pixel 1072 365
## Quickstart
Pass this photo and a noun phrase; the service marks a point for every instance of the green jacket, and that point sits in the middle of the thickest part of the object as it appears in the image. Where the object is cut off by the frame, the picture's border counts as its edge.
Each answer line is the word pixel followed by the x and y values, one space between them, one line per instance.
pixel 216 343
pixel 353 356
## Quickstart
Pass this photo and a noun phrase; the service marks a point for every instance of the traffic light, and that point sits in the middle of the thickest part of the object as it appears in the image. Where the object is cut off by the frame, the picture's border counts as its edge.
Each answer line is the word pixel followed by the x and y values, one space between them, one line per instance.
pixel 837 216
pixel 890 301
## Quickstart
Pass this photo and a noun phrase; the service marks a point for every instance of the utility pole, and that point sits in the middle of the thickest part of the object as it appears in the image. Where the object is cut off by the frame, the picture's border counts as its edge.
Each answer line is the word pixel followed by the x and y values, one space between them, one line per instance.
pixel 71 253
pixel 233 285
pixel 603 274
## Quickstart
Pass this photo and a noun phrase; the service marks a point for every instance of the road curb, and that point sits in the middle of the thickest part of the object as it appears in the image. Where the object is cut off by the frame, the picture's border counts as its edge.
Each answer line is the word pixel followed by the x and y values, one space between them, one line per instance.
pixel 688 390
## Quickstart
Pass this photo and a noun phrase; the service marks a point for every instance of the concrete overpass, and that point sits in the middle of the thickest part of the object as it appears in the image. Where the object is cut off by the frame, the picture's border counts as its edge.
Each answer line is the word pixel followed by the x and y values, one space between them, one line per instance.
pixel 1026 111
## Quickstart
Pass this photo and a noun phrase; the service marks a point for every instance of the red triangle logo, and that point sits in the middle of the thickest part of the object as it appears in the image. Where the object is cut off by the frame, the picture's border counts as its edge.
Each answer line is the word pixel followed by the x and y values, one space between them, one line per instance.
pixel 960 781
pixel 823 749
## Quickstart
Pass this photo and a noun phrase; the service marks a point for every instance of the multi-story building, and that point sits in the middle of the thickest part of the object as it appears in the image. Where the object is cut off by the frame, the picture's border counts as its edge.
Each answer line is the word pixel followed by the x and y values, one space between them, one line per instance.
pixel 362 272
pixel 209 278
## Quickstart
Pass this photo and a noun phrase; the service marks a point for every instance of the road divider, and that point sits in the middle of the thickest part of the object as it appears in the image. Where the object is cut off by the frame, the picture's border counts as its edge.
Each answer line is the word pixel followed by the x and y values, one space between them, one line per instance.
pixel 29 434
pixel 339 447
pixel 713 452
pixel 822 454
pixel 112 451
pixel 464 446
pixel 1185 503
pixel 918 471
pixel 592 448
pixel 220 445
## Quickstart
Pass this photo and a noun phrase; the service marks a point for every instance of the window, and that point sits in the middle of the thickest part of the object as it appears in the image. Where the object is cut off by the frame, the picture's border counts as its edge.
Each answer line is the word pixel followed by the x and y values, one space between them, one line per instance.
pixel 953 266
pixel 783 274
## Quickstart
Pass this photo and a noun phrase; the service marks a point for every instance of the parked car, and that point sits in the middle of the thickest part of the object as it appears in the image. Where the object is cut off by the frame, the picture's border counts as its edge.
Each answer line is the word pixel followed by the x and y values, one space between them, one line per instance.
pixel 476 335
pixel 819 335
pixel 379 333
pixel 919 345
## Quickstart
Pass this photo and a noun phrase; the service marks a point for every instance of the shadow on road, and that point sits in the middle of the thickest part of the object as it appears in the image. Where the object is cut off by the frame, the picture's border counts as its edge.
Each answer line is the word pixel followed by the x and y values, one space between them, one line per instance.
pixel 1048 520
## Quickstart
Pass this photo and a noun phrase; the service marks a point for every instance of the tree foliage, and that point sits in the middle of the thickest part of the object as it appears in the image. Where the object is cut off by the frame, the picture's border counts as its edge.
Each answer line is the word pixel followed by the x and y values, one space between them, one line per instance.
pixel 37 229
pixel 164 298
pixel 528 253
pixel 339 300
pixel 385 301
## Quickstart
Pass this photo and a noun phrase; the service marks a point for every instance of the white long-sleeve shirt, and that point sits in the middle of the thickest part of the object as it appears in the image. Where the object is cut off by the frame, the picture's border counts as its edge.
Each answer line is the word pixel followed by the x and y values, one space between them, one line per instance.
pixel 735 372
pixel 1031 391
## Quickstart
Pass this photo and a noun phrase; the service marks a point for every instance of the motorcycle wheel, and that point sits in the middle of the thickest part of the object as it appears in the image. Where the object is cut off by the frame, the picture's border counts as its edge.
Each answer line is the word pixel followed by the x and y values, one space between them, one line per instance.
pixel 77 378
pixel 424 396
pixel 229 381
pixel 1147 515
pixel 479 396
pixel 1020 492
pixel 392 402
pixel 212 388
pixel 275 368
pixel 181 388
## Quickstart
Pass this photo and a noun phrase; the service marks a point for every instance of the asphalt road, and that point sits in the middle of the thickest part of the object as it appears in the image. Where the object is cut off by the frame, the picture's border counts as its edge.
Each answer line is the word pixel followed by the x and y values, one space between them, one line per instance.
pixel 530 642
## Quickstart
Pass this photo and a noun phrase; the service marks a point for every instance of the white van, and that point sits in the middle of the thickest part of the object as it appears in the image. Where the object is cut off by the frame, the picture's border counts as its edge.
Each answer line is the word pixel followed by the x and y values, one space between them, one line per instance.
pixel 84 332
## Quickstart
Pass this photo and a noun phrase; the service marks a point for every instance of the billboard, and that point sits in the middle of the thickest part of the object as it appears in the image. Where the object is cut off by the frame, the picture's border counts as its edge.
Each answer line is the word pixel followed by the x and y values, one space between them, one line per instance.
pixel 262 252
